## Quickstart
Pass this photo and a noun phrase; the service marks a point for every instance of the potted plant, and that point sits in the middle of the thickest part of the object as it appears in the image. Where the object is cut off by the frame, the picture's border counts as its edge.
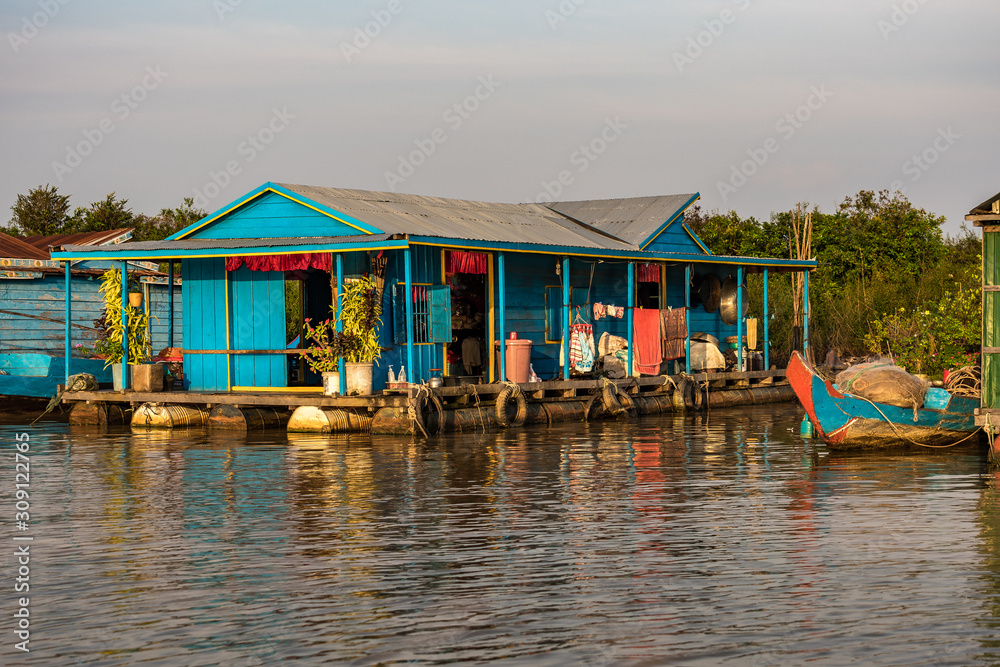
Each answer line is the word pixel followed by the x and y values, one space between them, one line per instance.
pixel 110 344
pixel 324 353
pixel 360 311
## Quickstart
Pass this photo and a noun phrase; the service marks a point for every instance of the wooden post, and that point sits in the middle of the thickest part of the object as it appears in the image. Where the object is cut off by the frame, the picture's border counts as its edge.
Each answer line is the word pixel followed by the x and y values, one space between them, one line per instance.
pixel 125 374
pixel 411 373
pixel 687 319
pixel 631 318
pixel 566 318
pixel 502 307
pixel 739 319
pixel 341 364
pixel 767 325
pixel 69 319
pixel 170 304
pixel 805 316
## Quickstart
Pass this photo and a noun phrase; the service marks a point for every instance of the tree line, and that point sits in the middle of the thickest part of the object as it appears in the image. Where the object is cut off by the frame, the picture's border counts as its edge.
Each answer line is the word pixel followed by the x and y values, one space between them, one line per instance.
pixel 43 211
pixel 889 281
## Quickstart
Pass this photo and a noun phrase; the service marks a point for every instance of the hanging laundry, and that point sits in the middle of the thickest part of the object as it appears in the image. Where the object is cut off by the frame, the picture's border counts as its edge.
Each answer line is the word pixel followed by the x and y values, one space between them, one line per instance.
pixel 600 311
pixel 646 334
pixel 673 332
pixel 581 347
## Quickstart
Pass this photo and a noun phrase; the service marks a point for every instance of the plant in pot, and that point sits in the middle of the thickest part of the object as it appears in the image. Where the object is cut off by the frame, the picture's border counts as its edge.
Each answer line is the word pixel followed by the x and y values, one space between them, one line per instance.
pixel 360 316
pixel 324 353
pixel 109 345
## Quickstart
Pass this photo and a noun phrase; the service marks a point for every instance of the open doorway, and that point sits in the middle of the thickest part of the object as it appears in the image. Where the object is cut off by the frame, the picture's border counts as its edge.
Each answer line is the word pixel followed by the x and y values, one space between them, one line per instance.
pixel 467 355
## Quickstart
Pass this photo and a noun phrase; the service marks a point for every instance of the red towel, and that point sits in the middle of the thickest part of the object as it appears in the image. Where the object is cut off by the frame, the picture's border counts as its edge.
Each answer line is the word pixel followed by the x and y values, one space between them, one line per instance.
pixel 646 334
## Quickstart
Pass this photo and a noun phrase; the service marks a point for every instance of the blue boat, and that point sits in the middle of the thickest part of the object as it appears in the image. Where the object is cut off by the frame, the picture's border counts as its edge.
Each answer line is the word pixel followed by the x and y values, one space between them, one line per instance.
pixel 36 375
pixel 845 421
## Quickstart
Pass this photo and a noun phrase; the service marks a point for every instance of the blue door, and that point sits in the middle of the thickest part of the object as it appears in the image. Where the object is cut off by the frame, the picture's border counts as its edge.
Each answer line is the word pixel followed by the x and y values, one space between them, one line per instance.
pixel 257 301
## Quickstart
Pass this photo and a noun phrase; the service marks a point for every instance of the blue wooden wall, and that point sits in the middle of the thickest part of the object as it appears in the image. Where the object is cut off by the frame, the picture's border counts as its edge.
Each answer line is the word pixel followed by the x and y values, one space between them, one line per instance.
pixel 426 269
pixel 45 297
pixel 273 216
pixel 204 294
pixel 675 239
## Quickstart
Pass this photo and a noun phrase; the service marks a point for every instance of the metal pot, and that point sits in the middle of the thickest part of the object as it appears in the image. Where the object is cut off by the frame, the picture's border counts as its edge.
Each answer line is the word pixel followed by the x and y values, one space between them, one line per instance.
pixel 435 382
pixel 709 292
pixel 728 301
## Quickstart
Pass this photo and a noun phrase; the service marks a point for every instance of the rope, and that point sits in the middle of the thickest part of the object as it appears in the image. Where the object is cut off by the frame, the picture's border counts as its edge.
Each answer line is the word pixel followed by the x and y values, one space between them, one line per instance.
pixel 904 437
pixel 420 389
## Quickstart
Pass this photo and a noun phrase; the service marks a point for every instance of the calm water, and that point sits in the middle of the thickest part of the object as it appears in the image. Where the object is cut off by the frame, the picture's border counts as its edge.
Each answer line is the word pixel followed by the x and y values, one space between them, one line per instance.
pixel 714 539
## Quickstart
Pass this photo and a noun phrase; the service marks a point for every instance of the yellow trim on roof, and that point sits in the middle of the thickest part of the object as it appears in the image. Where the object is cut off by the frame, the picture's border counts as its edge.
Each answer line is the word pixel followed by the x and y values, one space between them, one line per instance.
pixel 280 194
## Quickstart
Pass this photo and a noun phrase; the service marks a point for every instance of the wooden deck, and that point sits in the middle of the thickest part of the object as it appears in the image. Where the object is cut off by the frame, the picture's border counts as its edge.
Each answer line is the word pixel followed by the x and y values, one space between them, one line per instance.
pixel 547 391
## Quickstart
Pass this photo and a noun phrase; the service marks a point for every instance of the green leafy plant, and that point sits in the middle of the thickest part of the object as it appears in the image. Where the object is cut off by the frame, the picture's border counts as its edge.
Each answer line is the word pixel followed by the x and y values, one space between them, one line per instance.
pixel 327 346
pixel 942 334
pixel 360 314
pixel 110 344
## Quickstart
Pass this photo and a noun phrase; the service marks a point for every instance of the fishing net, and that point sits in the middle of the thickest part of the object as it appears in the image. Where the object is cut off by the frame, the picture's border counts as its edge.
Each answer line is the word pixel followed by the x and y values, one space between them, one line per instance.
pixel 966 381
pixel 883 382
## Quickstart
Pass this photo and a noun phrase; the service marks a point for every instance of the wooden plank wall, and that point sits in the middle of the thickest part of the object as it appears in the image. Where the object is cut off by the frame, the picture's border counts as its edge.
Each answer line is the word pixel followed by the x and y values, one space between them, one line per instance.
pixel 426 269
pixel 272 215
pixel 204 291
pixel 45 297
pixel 159 327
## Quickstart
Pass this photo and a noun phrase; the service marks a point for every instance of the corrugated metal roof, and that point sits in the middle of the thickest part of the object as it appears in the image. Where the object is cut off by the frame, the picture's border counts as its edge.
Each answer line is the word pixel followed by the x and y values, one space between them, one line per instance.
pixel 84 238
pixel 15 248
pixel 633 220
pixel 460 219
pixel 988 207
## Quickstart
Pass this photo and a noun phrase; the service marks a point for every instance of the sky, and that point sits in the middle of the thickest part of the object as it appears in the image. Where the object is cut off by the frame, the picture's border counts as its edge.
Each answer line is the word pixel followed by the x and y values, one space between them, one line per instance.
pixel 756 104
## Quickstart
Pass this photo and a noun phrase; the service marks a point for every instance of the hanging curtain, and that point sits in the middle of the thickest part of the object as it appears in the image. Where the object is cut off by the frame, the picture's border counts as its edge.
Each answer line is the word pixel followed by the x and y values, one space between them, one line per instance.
pixel 467 262
pixel 649 273
pixel 300 262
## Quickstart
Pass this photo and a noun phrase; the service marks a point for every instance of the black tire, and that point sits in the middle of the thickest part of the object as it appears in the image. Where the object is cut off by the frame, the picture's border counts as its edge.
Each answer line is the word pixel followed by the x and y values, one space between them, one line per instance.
pixel 503 407
pixel 593 408
pixel 422 410
pixel 629 408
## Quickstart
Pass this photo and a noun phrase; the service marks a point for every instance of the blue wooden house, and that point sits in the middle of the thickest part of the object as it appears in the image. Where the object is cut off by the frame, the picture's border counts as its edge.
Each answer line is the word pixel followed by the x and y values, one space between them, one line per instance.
pixel 457 276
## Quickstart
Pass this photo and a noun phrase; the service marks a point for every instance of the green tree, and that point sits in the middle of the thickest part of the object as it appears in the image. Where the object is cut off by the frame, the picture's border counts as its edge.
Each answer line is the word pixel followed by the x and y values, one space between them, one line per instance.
pixel 105 215
pixel 41 212
pixel 168 221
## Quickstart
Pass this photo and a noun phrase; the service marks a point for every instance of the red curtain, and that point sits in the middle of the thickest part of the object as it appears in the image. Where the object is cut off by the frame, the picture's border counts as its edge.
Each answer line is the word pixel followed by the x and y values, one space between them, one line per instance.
pixel 649 273
pixel 467 262
pixel 300 262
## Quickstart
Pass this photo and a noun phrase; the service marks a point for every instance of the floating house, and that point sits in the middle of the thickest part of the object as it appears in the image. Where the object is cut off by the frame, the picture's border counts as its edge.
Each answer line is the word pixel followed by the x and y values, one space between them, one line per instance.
pixel 987 216
pixel 460 279
pixel 38 293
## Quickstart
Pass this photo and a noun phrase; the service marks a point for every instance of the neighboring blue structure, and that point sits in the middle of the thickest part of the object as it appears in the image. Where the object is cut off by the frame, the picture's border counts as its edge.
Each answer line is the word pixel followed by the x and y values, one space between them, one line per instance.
pixel 453 271
pixel 33 290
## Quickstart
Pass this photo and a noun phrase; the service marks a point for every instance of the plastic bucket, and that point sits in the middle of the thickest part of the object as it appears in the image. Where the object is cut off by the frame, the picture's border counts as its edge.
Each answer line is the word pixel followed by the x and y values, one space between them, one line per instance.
pixel 518 360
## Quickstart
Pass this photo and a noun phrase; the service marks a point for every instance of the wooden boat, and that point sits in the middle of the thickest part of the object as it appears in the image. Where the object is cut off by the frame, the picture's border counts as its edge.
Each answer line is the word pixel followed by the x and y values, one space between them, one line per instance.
pixel 845 421
pixel 36 375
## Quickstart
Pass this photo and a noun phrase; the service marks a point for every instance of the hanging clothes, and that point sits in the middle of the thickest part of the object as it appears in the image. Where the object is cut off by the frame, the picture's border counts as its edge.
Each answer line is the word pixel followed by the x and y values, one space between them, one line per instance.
pixel 581 347
pixel 646 334
pixel 673 333
pixel 600 311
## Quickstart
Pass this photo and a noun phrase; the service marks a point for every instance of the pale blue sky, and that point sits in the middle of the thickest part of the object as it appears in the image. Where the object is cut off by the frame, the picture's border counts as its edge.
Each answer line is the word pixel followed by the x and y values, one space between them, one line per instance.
pixel 888 80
